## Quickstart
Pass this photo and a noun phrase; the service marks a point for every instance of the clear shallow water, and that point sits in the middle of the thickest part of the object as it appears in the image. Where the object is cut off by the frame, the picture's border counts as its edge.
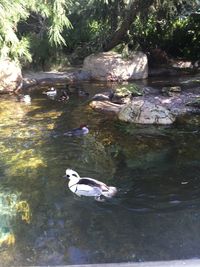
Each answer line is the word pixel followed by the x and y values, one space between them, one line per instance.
pixel 155 215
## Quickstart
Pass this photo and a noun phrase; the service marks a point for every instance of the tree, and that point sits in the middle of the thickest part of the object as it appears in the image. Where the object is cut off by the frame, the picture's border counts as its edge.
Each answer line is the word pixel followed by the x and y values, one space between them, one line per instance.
pixel 51 17
pixel 101 25
pixel 130 14
pixel 164 10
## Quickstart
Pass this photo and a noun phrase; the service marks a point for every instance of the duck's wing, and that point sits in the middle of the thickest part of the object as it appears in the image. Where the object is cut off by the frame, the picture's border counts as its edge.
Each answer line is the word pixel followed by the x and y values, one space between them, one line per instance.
pixel 75 131
pixel 89 182
pixel 94 183
pixel 87 190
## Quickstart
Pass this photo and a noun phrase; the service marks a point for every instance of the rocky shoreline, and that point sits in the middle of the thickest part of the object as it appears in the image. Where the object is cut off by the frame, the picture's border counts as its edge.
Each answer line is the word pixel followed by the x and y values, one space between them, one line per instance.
pixel 148 105
pixel 166 105
pixel 151 108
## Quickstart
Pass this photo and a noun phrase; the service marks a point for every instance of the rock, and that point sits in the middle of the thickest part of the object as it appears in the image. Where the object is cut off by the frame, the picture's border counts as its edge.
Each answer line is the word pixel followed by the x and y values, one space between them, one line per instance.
pixel 182 64
pixel 111 66
pixel 171 90
pixel 10 76
pixel 31 79
pixel 152 107
pixel 105 106
pixel 195 103
pixel 103 96
pixel 145 112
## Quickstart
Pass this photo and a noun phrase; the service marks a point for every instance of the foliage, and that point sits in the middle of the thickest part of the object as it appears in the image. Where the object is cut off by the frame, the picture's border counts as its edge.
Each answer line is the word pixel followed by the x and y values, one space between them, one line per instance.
pixel 50 18
pixel 132 88
pixel 186 37
pixel 90 26
pixel 10 207
pixel 42 30
pixel 98 21
pixel 179 36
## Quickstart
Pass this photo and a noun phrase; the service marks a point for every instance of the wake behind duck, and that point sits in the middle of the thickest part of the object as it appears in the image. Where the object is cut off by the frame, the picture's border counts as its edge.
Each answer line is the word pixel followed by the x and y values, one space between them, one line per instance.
pixel 89 187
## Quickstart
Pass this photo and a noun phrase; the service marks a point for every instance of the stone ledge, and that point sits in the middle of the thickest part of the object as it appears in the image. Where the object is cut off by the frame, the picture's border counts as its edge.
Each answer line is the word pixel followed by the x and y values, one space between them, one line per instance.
pixel 174 263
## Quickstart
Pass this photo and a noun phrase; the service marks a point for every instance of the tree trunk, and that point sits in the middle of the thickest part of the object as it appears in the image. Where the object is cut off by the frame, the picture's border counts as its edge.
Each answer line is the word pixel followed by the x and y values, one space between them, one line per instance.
pixel 135 8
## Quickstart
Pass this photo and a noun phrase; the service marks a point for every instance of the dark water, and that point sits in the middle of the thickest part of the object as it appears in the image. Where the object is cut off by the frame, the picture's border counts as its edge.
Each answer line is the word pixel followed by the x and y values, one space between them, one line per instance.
pixel 155 215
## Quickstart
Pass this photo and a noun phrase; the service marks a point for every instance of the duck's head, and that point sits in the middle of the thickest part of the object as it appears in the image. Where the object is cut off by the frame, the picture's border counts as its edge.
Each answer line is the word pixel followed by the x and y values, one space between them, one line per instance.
pixel 83 126
pixel 71 174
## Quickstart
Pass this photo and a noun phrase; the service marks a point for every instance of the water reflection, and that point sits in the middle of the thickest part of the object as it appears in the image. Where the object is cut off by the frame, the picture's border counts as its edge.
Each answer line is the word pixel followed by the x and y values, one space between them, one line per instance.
pixel 155 215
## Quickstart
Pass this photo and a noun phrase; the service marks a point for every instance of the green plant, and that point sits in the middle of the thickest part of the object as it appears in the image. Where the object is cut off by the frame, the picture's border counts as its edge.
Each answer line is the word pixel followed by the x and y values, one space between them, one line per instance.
pixel 15 21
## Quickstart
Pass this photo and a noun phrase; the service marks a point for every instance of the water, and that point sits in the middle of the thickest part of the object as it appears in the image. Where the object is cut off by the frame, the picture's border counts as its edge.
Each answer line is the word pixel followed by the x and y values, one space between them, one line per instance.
pixel 155 215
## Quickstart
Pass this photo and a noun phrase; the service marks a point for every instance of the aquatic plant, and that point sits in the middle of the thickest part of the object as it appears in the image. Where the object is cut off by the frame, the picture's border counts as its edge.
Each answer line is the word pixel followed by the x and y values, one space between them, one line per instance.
pixel 10 207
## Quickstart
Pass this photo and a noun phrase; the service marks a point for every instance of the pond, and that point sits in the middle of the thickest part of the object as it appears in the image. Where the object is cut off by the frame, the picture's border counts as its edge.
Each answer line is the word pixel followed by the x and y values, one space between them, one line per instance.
pixel 154 216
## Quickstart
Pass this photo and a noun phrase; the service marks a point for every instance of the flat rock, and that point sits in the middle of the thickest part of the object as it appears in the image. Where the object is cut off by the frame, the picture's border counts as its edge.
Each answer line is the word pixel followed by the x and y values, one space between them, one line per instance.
pixel 31 79
pixel 106 107
pixel 144 112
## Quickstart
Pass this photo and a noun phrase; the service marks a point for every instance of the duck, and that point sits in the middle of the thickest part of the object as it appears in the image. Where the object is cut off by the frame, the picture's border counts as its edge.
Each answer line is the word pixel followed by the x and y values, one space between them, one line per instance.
pixel 82 93
pixel 51 93
pixel 24 98
pixel 90 187
pixel 81 130
pixel 63 97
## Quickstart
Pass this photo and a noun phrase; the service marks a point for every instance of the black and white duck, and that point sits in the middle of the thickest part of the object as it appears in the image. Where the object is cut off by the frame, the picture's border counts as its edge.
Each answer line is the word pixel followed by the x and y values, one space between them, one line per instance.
pixel 88 186
pixel 51 93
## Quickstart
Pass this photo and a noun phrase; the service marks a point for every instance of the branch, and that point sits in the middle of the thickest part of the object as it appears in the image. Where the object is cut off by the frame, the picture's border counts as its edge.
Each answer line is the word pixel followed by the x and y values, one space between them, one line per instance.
pixel 135 8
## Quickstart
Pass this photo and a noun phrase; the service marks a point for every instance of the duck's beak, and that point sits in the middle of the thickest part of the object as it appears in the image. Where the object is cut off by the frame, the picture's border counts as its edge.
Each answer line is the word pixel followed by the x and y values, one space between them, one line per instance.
pixel 66 176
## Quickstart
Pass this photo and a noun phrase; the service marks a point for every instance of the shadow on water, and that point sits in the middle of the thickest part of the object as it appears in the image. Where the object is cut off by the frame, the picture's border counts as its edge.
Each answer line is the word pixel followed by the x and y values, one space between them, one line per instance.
pixel 155 215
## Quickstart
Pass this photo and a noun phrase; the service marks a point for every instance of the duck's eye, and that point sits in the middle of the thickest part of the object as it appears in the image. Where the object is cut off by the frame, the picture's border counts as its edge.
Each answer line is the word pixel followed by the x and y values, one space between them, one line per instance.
pixel 74 175
pixel 68 175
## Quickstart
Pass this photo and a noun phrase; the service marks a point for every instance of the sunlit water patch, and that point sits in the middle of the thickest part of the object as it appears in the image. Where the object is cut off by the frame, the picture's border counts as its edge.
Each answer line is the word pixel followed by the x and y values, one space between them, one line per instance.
pixel 154 216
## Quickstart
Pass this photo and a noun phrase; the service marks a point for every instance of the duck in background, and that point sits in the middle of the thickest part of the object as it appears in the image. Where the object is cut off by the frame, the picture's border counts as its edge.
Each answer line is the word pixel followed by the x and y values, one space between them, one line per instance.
pixel 51 93
pixel 24 98
pixel 59 95
pixel 82 93
pixel 63 96
pixel 88 186
pixel 81 130
pixel 76 90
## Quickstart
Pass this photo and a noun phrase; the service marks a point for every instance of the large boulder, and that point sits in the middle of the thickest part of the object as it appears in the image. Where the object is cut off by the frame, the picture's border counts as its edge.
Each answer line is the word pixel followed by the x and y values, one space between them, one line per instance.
pixel 111 66
pixel 145 112
pixel 10 76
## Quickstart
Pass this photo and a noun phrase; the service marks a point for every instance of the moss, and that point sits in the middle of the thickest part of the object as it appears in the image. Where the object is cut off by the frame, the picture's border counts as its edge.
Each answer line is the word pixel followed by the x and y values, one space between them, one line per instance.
pixel 129 89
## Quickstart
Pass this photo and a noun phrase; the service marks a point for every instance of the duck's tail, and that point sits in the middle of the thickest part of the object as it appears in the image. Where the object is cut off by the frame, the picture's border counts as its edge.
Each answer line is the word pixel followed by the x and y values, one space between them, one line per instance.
pixel 111 192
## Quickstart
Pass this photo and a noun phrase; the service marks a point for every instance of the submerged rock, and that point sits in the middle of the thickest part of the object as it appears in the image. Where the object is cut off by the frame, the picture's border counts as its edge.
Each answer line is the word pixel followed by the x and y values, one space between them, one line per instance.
pixel 111 66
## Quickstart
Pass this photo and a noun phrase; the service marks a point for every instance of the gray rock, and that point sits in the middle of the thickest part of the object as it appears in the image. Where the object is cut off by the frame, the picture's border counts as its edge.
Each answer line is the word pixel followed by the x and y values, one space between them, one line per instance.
pixel 195 103
pixel 10 76
pixel 111 66
pixel 145 112
pixel 171 90
pixel 105 96
pixel 106 107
